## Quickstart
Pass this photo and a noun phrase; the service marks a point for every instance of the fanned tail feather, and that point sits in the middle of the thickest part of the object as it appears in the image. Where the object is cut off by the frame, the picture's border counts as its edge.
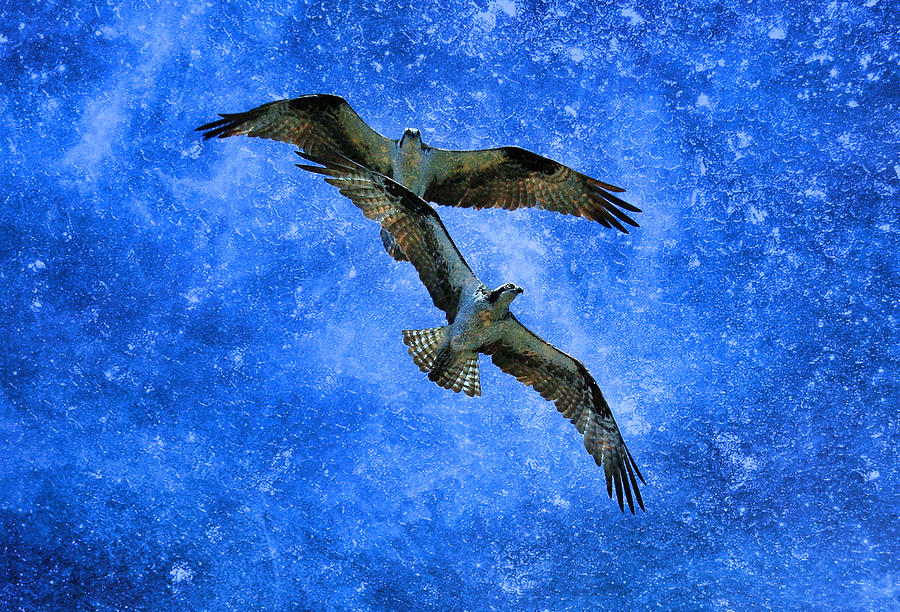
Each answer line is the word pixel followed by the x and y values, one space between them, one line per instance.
pixel 424 345
pixel 456 371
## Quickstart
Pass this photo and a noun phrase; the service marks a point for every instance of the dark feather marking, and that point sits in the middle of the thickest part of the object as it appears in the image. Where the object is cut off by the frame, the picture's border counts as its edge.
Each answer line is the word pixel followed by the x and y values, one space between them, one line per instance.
pixel 530 161
pixel 317 123
pixel 572 393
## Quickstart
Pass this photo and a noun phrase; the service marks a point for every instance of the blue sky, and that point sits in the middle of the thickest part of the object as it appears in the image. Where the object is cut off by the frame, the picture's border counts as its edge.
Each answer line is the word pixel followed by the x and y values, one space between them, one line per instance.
pixel 206 402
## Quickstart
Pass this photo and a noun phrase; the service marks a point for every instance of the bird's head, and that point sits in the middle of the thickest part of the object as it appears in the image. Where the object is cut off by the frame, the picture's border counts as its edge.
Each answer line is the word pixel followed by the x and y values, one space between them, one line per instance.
pixel 502 296
pixel 413 136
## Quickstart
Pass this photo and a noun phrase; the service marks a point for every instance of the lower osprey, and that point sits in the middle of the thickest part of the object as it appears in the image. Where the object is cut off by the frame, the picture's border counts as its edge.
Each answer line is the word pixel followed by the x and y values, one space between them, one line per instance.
pixel 479 321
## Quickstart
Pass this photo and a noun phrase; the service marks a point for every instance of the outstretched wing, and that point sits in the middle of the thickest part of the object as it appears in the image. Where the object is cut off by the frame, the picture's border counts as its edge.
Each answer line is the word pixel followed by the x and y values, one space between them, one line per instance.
pixel 317 123
pixel 511 177
pixel 413 224
pixel 565 381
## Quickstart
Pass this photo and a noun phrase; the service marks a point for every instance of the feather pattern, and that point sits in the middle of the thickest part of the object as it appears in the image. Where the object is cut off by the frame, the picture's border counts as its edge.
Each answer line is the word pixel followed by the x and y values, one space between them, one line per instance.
pixel 503 177
pixel 413 224
pixel 511 177
pixel 317 123
pixel 558 377
pixel 564 380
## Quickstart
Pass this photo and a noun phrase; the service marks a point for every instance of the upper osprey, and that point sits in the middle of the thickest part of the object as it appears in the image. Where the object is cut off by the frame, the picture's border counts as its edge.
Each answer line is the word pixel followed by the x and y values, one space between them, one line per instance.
pixel 505 177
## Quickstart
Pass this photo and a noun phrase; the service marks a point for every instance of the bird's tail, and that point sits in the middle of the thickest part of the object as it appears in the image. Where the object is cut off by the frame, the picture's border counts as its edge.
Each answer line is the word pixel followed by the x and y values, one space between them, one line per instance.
pixel 456 371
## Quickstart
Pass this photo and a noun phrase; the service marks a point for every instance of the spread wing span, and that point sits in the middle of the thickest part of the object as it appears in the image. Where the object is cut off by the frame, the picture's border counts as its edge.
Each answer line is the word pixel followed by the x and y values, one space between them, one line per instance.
pixel 318 124
pixel 565 381
pixel 413 224
pixel 511 177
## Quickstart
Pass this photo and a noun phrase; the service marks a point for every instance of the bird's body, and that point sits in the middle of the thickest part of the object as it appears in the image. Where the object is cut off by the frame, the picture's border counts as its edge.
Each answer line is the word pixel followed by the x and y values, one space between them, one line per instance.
pixel 502 177
pixel 479 322
pixel 476 323
pixel 412 162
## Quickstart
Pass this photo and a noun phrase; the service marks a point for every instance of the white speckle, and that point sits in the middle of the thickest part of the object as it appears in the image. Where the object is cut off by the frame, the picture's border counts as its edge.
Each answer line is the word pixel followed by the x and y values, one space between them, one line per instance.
pixel 576 54
pixel 694 262
pixel 757 216
pixel 750 464
pixel 633 18
pixel 192 152
pixel 871 3
pixel 507 6
pixel 833 72
pixel 37 264
pixel 180 572
pixel 873 475
pixel 852 103
pixel 485 20
pixel 352 272
pixel 559 502
pixel 36 304
pixel 777 33
pixel 822 58
pixel 570 111
pixel 702 100
pixel 815 192
pixel 3 39
pixel 378 67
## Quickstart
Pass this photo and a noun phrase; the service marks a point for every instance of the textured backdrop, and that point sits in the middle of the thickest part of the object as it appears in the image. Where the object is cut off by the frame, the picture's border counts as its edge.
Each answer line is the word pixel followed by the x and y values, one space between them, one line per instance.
pixel 206 403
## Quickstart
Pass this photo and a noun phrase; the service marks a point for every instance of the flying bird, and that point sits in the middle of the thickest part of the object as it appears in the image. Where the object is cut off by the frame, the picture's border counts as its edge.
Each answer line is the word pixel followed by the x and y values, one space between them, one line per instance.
pixel 479 321
pixel 504 177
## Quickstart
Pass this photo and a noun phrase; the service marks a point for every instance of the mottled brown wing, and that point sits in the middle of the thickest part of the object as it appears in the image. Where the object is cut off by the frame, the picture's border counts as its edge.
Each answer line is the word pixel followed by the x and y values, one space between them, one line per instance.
pixel 414 225
pixel 511 177
pixel 565 381
pixel 318 124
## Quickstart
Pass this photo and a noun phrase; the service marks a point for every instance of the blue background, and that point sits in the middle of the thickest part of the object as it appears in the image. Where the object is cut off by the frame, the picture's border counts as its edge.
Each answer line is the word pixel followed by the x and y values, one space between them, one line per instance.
pixel 206 403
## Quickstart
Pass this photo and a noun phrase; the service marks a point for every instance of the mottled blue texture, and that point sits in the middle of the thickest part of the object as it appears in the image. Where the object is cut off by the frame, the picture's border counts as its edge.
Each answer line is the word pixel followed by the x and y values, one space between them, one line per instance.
pixel 206 403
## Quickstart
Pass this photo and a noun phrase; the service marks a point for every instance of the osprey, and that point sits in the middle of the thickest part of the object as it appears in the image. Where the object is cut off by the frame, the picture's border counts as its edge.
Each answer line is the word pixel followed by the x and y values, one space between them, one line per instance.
pixel 479 321
pixel 505 177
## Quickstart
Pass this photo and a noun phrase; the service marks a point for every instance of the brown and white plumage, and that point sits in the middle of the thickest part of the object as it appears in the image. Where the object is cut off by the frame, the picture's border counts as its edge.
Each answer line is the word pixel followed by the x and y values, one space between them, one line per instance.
pixel 504 177
pixel 563 380
pixel 480 322
pixel 512 177
pixel 318 124
pixel 412 223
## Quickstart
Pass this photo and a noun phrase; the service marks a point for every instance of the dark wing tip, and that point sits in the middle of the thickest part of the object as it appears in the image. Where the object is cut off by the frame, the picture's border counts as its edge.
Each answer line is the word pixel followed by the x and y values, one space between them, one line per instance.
pixel 226 126
pixel 215 128
pixel 309 156
pixel 618 202
pixel 316 169
pixel 608 208
pixel 618 482
pixel 603 185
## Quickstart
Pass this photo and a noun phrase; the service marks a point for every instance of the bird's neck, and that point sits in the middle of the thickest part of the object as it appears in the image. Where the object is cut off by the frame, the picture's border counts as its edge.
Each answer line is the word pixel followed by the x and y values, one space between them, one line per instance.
pixel 412 166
